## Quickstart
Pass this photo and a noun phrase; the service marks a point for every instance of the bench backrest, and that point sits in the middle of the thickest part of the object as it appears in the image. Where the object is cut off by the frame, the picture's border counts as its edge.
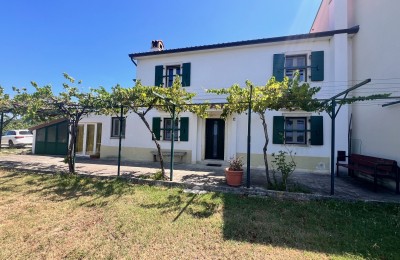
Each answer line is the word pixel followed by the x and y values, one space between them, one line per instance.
pixel 370 161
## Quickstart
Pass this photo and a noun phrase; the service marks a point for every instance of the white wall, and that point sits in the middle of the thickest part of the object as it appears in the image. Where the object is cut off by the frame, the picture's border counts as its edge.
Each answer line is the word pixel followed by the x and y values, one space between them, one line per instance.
pixel 376 56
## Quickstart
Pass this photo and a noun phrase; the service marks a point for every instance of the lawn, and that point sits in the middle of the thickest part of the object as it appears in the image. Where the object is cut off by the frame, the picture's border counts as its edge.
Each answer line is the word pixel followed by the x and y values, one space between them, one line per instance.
pixel 46 216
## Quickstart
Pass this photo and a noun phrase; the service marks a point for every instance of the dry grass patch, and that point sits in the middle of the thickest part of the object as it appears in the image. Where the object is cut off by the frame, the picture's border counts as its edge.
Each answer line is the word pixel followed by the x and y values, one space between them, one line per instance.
pixel 69 217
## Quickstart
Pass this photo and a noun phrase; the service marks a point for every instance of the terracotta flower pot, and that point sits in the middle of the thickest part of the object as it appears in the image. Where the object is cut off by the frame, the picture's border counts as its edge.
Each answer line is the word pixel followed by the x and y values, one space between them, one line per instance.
pixel 233 178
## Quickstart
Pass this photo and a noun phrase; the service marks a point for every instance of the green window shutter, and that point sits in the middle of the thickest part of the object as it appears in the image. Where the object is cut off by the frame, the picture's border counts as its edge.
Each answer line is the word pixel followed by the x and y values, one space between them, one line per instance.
pixel 279 66
pixel 278 130
pixel 184 129
pixel 317 66
pixel 157 127
pixel 159 73
pixel 317 130
pixel 186 74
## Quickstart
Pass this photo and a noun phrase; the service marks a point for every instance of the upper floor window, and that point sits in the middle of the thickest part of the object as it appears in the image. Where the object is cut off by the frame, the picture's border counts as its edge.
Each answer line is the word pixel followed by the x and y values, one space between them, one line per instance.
pixel 165 75
pixel 172 73
pixel 286 65
pixel 293 63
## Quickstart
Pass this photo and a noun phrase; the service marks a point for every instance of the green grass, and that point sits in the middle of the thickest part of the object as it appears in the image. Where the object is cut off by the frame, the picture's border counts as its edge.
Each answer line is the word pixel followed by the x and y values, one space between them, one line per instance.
pixel 8 151
pixel 55 216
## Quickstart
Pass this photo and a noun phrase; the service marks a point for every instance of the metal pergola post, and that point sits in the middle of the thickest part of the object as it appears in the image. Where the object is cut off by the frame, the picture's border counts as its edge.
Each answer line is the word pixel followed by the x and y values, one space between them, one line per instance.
pixel 121 120
pixel 249 139
pixel 333 117
pixel 1 127
pixel 171 171
pixel 333 113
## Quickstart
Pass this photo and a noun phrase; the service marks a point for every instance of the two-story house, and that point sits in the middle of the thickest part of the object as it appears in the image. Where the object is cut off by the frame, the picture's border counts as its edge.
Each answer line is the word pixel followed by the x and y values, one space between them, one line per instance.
pixel 343 47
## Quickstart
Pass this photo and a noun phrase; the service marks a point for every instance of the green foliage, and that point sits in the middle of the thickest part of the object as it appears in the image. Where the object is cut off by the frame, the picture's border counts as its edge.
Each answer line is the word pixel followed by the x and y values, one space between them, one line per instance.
pixel 71 104
pixel 18 123
pixel 142 99
pixel 275 95
pixel 5 103
pixel 286 168
pixel 288 94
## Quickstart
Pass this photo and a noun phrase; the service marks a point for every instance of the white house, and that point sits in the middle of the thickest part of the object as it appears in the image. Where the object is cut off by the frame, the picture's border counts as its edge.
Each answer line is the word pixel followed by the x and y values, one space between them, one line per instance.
pixel 340 50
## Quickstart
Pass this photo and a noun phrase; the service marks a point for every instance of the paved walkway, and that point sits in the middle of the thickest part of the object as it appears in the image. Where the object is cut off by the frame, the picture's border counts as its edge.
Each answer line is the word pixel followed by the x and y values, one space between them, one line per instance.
pixel 202 175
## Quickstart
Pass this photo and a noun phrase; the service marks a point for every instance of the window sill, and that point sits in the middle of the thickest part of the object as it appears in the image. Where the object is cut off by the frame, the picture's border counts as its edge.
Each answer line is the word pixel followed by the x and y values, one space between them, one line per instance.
pixel 117 137
pixel 298 145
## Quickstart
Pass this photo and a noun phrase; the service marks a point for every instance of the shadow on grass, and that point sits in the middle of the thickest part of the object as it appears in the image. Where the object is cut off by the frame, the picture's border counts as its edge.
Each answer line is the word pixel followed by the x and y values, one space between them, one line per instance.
pixel 195 205
pixel 63 187
pixel 346 229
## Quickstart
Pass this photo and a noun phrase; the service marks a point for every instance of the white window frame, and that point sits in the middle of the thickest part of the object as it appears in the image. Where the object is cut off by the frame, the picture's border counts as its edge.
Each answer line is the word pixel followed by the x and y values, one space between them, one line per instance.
pixel 289 70
pixel 115 121
pixel 295 132
pixel 167 129
pixel 170 78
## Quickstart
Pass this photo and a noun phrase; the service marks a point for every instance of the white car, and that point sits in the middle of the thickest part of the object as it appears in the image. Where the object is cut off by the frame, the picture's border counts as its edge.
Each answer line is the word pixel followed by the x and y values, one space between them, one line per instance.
pixel 17 138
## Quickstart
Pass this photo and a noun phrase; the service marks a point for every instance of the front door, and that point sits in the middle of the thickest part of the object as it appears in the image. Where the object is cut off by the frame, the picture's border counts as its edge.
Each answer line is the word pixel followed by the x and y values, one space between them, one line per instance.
pixel 215 137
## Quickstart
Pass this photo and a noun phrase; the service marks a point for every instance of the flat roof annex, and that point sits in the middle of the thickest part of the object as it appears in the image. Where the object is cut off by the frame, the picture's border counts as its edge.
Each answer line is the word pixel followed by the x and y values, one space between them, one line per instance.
pixel 352 30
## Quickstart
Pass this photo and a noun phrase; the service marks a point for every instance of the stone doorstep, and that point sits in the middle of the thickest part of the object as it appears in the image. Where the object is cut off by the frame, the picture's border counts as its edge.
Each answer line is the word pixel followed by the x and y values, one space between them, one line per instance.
pixel 251 192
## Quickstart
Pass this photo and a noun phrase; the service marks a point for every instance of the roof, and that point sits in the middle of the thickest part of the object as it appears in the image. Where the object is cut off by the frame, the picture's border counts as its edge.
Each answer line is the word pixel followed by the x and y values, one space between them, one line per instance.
pixel 351 30
pixel 53 122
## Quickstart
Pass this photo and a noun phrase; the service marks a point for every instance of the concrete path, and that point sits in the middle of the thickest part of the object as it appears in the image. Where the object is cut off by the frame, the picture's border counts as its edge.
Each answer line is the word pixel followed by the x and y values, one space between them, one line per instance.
pixel 202 175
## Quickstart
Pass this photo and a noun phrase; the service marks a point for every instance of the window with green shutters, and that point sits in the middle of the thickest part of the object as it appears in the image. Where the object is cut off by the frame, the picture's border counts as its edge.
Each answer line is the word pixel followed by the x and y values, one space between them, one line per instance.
pixel 295 130
pixel 164 133
pixel 285 65
pixel 165 75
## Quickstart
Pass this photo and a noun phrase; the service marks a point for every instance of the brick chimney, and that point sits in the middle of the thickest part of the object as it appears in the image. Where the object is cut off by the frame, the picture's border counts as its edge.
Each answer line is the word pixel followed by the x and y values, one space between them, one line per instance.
pixel 157 45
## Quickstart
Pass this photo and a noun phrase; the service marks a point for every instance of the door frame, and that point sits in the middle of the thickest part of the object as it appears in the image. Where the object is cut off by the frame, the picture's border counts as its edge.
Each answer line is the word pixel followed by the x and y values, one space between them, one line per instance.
pixel 84 144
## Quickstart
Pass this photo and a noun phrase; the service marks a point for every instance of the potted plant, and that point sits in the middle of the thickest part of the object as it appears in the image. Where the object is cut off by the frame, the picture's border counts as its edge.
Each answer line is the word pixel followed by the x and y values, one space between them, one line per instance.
pixel 234 173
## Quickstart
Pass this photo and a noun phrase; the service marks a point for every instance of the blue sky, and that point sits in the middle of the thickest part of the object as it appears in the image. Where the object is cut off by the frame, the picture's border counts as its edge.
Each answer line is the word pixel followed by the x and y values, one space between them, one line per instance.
pixel 91 40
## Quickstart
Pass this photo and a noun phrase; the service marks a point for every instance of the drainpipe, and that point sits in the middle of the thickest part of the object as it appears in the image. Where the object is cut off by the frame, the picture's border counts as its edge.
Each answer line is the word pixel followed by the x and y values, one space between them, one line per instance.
pixel 134 62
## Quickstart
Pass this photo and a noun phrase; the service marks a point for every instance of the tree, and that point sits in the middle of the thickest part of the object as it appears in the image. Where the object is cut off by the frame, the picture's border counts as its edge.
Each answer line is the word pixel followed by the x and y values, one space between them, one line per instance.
pixel 275 95
pixel 14 110
pixel 71 104
pixel 142 99
pixel 5 108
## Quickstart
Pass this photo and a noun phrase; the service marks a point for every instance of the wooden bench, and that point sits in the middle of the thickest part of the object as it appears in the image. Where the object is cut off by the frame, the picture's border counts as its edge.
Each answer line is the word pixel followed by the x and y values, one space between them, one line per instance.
pixel 167 153
pixel 369 165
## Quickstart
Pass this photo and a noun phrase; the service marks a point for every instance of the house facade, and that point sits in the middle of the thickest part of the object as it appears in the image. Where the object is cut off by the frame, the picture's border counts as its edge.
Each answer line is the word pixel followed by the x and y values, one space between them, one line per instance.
pixel 315 55
pixel 338 52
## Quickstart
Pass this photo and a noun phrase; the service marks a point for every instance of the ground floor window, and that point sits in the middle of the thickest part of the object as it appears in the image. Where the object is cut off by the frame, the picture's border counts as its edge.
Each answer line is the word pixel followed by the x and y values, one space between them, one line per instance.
pixel 115 127
pixel 295 130
pixel 306 130
pixel 162 129
pixel 168 129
